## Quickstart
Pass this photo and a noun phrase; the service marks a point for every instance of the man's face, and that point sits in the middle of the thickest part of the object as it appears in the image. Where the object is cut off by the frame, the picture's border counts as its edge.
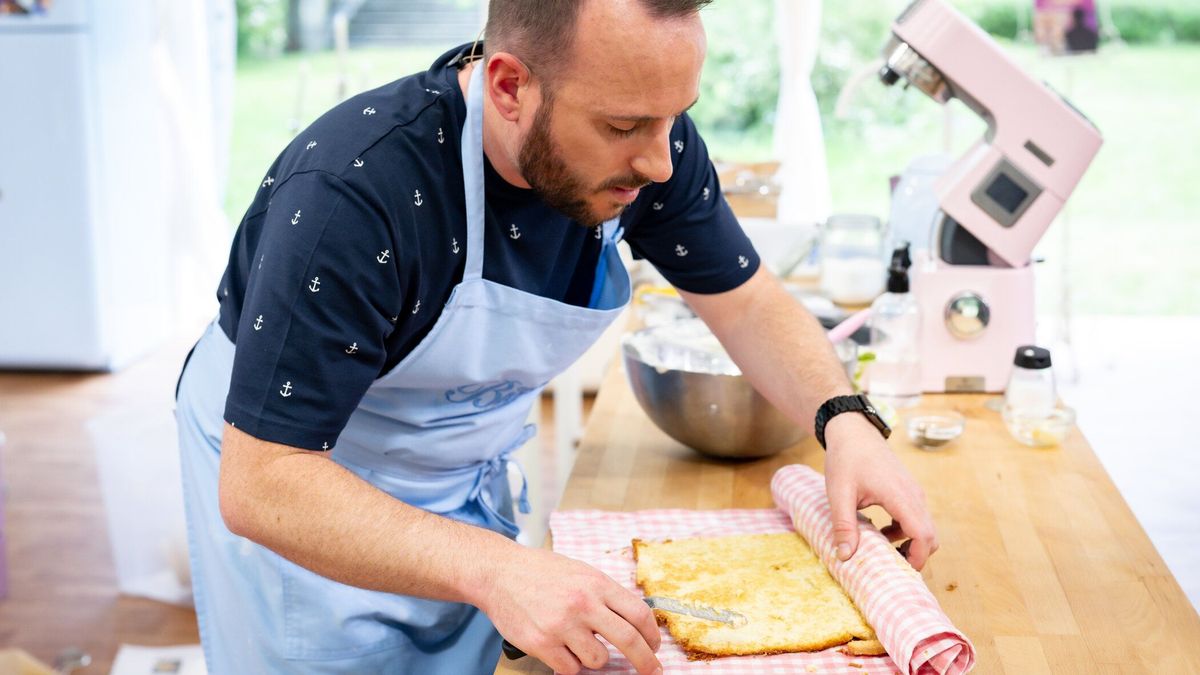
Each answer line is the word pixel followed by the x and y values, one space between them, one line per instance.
pixel 604 133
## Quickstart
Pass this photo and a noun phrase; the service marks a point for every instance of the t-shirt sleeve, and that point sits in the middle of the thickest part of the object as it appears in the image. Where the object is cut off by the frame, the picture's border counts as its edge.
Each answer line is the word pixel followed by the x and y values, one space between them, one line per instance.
pixel 322 289
pixel 684 226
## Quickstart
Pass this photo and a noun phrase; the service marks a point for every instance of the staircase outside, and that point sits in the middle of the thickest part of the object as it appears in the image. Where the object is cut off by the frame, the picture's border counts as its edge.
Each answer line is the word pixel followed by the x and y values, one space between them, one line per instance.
pixel 380 23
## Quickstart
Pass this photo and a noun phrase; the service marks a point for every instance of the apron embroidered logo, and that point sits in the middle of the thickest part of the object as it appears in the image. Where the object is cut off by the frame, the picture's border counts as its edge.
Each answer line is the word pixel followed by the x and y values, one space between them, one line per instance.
pixel 487 395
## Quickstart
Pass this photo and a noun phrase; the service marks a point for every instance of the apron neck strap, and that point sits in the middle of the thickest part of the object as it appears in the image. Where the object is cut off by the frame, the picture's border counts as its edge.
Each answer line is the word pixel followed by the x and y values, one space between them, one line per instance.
pixel 473 183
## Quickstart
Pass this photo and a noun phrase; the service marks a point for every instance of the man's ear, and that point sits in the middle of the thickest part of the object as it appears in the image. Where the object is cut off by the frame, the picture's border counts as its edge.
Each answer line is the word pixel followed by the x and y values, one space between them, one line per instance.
pixel 507 83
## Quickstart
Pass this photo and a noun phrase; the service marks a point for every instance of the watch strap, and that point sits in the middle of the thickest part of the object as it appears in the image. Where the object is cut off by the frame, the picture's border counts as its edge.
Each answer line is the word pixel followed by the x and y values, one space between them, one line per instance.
pixel 843 404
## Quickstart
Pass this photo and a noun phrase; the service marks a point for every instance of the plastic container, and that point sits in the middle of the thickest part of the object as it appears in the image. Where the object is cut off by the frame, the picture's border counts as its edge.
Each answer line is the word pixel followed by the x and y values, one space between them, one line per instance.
pixel 852 269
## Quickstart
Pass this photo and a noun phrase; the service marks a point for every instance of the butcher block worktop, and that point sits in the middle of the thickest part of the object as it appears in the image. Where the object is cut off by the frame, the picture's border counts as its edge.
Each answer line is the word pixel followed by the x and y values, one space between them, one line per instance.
pixel 1042 564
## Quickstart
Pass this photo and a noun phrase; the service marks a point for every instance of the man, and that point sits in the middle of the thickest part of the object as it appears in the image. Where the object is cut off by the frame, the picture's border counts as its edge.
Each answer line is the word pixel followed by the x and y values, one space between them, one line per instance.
pixel 415 267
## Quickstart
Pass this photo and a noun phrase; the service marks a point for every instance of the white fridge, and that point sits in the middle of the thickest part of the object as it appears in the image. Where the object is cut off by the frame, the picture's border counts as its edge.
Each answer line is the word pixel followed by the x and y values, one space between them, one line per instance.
pixel 92 123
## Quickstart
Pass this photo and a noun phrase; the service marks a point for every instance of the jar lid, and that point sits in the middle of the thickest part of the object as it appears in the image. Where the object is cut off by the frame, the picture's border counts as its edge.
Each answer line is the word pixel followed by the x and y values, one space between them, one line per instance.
pixel 1032 357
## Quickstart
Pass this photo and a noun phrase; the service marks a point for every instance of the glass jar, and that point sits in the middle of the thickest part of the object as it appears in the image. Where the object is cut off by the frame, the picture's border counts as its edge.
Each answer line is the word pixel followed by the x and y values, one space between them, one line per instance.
pixel 852 265
pixel 1031 392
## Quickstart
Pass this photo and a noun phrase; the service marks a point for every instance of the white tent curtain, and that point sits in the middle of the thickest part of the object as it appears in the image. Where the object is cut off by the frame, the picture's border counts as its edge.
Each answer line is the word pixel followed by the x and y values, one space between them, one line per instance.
pixel 193 56
pixel 799 143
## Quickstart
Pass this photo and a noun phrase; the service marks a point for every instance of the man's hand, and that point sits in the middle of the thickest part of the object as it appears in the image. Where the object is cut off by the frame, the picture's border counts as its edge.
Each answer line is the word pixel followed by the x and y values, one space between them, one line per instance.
pixel 862 471
pixel 552 607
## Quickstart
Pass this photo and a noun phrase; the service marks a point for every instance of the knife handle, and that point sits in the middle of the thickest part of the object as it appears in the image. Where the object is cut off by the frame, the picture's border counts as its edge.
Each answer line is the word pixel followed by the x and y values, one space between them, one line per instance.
pixel 512 651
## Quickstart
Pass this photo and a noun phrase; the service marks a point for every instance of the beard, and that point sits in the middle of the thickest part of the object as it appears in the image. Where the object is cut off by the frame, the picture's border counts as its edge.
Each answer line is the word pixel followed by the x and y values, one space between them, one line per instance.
pixel 563 190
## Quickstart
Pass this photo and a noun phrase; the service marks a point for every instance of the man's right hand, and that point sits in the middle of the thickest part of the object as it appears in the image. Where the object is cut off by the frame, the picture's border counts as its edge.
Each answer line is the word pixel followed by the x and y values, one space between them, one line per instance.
pixel 553 607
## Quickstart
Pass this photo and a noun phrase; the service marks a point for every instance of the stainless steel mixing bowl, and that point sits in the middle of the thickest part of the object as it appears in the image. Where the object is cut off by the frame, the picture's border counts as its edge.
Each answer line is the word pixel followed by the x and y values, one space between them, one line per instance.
pixel 687 396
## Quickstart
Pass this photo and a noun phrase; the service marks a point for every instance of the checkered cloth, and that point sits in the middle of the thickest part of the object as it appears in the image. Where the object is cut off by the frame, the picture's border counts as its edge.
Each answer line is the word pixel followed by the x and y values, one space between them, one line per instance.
pixel 891 594
pixel 603 540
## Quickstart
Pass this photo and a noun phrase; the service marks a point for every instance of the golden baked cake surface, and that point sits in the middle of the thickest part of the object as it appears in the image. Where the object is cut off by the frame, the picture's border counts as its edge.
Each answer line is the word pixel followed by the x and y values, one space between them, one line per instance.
pixel 790 601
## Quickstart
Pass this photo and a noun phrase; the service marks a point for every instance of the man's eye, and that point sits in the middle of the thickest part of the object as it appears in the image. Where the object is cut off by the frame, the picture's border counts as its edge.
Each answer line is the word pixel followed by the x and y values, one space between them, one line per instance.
pixel 617 131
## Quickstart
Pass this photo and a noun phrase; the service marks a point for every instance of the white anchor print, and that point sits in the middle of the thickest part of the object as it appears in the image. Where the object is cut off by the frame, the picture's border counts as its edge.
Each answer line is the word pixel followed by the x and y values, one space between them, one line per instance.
pixel 261 259
pixel 226 292
pixel 515 232
pixel 394 319
pixel 454 246
pixel 417 198
pixel 315 285
pixel 268 182
pixel 599 231
pixel 382 257
pixel 680 250
pixel 296 217
pixel 311 145
pixel 325 445
pixel 368 110
pixel 287 389
pixel 743 262
pixel 707 192
pixel 358 163
pixel 258 323
pixel 417 308
pixel 441 136
pixel 352 348
pixel 678 146
pixel 657 206
pixel 435 92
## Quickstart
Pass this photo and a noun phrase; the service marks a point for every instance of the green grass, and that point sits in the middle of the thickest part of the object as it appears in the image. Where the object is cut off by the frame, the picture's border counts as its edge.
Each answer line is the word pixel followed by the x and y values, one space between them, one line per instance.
pixel 1134 219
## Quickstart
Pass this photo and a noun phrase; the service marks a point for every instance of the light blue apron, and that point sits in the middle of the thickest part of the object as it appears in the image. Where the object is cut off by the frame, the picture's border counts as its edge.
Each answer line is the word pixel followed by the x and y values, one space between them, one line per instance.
pixel 436 432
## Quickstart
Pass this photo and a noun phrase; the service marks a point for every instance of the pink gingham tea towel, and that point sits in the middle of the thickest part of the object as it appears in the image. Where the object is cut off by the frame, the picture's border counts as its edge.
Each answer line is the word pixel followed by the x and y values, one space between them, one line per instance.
pixel 891 594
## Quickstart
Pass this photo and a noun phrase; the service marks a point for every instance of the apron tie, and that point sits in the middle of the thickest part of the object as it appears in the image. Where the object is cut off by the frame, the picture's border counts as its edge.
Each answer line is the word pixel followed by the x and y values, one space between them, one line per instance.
pixel 498 466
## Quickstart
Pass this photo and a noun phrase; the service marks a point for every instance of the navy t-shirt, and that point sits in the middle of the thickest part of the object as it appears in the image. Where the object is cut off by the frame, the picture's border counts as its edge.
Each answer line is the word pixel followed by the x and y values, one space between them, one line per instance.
pixel 365 208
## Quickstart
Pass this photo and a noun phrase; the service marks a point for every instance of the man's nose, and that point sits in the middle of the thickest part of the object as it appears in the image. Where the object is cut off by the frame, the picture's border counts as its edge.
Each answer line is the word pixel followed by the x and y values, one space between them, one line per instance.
pixel 654 160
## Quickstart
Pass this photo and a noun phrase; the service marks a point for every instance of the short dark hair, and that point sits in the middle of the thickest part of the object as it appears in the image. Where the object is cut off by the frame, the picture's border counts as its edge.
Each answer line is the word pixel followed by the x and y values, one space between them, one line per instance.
pixel 542 32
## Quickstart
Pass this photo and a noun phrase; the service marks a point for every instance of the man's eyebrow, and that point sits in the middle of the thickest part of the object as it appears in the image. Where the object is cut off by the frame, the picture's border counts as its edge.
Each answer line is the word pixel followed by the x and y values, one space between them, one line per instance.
pixel 644 118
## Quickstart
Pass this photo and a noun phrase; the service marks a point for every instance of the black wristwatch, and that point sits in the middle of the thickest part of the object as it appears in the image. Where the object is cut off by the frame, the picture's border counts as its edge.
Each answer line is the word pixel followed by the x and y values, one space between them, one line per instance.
pixel 841 404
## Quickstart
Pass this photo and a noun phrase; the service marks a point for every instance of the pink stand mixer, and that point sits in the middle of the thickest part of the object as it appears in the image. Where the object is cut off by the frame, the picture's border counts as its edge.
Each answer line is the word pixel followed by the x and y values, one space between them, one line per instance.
pixel 976 288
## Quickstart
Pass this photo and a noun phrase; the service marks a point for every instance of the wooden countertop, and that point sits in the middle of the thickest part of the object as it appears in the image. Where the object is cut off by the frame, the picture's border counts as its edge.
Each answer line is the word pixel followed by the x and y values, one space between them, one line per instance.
pixel 1042 564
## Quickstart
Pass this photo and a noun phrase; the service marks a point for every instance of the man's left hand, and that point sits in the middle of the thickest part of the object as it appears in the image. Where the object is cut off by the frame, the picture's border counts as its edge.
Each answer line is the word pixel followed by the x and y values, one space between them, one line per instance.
pixel 861 471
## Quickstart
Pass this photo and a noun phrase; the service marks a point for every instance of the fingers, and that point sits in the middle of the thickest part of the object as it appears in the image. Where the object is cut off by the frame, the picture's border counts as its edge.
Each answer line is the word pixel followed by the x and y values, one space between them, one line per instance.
pixel 914 522
pixel 587 649
pixel 625 637
pixel 631 608
pixel 561 660
pixel 844 504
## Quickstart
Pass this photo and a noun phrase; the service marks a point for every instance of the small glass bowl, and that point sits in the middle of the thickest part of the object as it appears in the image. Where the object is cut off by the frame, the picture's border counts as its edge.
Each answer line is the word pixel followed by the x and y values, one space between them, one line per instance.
pixel 1039 430
pixel 932 430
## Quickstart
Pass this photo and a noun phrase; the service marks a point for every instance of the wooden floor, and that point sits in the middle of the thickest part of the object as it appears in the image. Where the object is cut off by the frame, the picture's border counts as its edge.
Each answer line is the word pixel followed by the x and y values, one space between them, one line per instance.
pixel 62 587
